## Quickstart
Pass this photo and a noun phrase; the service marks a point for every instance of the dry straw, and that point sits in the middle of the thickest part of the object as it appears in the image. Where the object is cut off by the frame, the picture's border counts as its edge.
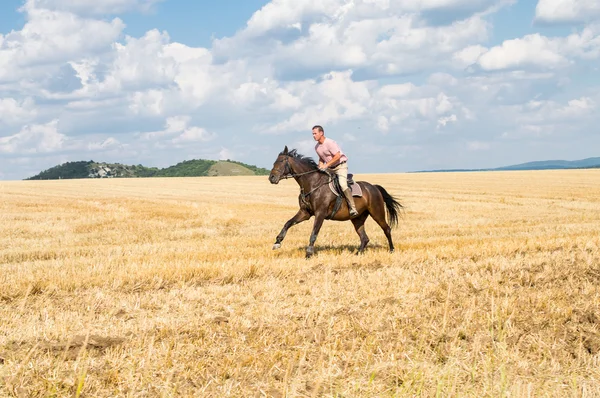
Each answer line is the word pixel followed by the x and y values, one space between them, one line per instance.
pixel 169 287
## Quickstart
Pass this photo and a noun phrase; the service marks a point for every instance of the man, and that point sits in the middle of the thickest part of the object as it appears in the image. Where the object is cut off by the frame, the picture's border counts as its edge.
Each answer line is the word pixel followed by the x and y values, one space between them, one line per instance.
pixel 331 156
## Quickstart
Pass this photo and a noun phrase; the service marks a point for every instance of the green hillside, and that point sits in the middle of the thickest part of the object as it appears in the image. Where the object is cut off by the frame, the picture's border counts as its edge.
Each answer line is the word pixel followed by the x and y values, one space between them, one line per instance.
pixel 229 169
pixel 66 170
pixel 187 168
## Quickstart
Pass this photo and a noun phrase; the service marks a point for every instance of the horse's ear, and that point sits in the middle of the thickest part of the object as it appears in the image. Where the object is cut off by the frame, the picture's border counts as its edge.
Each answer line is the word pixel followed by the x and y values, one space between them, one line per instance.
pixel 285 150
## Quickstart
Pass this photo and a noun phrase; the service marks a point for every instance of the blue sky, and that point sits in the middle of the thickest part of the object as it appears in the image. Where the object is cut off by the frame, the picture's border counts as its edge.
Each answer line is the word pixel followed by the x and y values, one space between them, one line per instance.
pixel 402 86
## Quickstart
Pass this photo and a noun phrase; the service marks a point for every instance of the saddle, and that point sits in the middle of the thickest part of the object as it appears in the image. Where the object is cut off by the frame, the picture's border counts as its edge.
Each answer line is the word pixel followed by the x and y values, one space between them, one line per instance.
pixel 335 187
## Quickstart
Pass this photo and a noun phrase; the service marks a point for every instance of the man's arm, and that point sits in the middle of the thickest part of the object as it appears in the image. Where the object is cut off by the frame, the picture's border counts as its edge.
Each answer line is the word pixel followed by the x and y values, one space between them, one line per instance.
pixel 333 160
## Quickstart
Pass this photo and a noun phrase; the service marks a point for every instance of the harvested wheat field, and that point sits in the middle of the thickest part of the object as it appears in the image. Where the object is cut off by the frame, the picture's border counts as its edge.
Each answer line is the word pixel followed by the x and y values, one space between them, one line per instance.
pixel 169 287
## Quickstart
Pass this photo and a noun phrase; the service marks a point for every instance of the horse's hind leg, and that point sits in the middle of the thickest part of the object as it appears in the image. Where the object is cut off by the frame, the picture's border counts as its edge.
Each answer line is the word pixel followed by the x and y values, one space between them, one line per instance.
pixel 359 226
pixel 379 217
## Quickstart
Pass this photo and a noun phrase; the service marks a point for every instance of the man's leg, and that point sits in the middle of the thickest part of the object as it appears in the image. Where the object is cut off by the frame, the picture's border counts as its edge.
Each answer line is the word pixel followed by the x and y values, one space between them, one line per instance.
pixel 342 172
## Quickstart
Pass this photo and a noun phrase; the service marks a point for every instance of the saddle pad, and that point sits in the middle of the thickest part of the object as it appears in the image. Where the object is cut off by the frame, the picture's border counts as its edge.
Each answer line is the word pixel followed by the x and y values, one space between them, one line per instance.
pixel 355 188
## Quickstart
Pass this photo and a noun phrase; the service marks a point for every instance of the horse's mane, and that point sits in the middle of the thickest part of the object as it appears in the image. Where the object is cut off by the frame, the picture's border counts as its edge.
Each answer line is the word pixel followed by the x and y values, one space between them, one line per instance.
pixel 307 160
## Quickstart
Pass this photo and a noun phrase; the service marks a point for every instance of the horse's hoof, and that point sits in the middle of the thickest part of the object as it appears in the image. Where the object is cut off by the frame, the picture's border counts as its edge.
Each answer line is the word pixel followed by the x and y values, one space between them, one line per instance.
pixel 277 246
pixel 309 253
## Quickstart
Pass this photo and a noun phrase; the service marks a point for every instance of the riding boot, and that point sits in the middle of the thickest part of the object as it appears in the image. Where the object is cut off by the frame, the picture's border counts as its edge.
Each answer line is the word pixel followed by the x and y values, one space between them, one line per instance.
pixel 350 201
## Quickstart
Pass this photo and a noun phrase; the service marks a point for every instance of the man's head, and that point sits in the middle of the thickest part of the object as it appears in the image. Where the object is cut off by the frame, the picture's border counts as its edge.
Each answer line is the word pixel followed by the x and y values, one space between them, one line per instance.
pixel 318 133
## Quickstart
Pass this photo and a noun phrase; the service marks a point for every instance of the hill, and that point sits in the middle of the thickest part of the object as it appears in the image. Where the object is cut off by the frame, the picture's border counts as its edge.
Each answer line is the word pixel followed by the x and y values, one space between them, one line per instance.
pixel 555 164
pixel 588 163
pixel 187 168
pixel 229 169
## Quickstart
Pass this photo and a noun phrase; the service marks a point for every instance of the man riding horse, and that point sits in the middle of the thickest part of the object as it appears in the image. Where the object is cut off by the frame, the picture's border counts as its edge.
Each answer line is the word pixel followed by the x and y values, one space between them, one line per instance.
pixel 316 199
pixel 332 157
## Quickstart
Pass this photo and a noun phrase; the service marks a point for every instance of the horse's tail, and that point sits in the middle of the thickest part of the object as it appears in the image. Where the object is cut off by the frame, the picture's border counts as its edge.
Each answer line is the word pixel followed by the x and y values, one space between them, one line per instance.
pixel 392 205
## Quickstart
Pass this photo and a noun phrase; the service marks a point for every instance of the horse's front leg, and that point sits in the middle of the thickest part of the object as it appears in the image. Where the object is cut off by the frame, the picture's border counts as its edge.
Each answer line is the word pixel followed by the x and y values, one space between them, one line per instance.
pixel 310 250
pixel 302 215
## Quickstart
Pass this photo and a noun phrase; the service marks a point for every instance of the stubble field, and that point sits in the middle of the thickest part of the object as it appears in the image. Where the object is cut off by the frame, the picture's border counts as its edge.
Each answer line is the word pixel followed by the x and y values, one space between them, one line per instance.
pixel 169 287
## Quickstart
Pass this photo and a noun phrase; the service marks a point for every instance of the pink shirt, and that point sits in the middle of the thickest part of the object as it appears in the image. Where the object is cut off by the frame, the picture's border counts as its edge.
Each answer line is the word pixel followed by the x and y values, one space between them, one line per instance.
pixel 327 151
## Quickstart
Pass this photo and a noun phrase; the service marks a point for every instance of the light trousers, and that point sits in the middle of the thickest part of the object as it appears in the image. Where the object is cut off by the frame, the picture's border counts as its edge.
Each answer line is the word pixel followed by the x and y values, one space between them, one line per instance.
pixel 342 173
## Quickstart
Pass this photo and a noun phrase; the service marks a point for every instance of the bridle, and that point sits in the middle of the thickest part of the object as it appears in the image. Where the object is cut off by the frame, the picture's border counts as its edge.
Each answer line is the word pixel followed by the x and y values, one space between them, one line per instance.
pixel 292 175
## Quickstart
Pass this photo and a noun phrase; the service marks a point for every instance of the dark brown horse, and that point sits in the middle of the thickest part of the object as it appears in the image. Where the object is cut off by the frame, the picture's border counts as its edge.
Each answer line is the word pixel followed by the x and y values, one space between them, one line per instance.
pixel 316 199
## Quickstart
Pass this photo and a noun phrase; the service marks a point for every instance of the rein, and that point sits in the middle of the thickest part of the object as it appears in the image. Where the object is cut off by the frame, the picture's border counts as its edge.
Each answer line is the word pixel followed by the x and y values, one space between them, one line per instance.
pixel 292 175
pixel 296 175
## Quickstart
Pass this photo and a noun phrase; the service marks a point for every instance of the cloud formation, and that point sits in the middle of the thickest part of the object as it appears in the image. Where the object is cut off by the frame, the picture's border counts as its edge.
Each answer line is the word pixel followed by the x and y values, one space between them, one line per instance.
pixel 92 7
pixel 567 11
pixel 535 52
pixel 425 83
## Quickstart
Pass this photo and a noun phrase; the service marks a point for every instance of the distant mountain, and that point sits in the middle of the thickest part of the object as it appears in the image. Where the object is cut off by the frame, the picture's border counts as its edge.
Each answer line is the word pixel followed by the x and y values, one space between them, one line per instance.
pixel 188 168
pixel 589 163
pixel 555 164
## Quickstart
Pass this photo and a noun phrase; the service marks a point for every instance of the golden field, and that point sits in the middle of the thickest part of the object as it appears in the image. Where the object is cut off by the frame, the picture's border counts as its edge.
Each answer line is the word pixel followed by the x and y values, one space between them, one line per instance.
pixel 169 288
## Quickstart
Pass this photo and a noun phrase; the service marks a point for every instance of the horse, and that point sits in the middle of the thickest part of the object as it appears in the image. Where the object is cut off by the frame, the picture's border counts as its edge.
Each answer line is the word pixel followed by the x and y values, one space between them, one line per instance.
pixel 316 199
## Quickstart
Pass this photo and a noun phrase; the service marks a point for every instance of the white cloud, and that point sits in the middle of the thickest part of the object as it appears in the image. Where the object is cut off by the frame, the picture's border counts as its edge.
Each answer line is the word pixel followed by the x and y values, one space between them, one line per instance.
pixel 106 144
pixel 280 14
pixel 14 111
pixel 428 106
pixel 49 39
pixel 549 120
pixel 193 134
pixel 173 125
pixel 43 139
pixel 336 98
pixel 549 112
pixel 177 131
pixel 226 154
pixel 379 37
pixel 396 90
pixel 93 105
pixel 160 78
pixel 560 11
pixel 149 102
pixel 443 121
pixel 382 124
pixel 34 139
pixel 266 94
pixel 130 68
pixel 154 74
pixel 469 55
pixel 534 51
pixel 92 6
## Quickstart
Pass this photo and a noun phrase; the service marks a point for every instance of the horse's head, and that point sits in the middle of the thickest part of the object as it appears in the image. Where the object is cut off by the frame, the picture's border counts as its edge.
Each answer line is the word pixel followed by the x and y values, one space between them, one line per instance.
pixel 281 167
